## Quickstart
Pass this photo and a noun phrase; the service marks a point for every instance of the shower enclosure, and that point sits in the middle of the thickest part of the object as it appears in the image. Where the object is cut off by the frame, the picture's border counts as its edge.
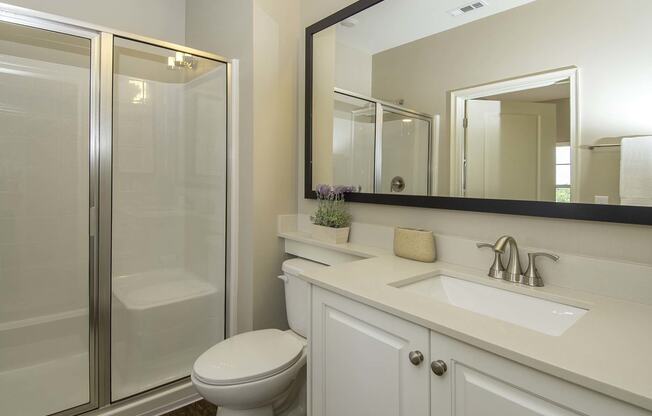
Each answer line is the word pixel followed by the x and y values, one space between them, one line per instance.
pixel 113 213
pixel 381 147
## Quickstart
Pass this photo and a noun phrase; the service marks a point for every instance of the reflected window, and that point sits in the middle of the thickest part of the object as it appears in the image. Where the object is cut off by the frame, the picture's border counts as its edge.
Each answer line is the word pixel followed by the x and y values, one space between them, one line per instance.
pixel 563 173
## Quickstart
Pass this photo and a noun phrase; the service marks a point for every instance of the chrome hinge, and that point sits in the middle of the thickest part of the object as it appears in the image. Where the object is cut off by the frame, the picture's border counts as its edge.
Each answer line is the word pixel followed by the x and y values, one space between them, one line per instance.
pixel 465 123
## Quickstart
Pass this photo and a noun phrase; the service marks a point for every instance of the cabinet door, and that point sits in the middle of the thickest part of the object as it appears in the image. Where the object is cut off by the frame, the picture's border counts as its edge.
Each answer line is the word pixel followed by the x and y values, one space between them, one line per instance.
pixel 479 383
pixel 360 363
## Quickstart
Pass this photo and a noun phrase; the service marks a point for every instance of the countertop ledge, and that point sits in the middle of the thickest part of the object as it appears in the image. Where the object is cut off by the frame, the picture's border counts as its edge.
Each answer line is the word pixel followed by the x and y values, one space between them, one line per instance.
pixel 607 350
pixel 358 250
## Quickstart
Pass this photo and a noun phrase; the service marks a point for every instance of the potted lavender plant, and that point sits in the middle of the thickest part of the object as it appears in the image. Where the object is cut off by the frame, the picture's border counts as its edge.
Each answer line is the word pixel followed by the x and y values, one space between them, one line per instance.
pixel 332 221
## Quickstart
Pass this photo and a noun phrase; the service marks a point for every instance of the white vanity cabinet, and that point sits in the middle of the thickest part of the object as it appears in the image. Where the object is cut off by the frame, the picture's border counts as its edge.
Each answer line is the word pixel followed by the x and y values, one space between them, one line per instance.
pixel 360 361
pixel 360 366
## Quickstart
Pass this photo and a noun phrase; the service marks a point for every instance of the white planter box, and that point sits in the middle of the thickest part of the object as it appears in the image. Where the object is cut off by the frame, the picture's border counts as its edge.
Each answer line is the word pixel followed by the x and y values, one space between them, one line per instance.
pixel 330 235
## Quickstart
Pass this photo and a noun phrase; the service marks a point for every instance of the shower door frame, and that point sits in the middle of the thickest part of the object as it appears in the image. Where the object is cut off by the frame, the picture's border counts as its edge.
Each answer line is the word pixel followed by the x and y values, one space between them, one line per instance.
pixel 100 198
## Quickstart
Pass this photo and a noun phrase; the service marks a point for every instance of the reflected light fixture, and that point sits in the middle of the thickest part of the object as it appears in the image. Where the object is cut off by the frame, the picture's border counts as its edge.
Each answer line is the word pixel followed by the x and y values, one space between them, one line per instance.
pixel 350 22
pixel 182 60
pixel 141 91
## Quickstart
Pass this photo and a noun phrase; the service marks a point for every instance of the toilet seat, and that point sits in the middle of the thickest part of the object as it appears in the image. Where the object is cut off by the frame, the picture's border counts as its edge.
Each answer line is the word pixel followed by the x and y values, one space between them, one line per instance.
pixel 248 357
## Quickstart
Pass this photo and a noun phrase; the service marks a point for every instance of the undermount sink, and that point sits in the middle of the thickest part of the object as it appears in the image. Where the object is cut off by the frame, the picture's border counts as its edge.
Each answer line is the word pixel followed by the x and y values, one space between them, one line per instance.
pixel 540 315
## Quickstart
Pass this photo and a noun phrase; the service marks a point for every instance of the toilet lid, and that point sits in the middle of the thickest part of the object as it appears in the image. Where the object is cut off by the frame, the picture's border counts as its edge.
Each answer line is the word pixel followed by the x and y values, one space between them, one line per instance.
pixel 248 357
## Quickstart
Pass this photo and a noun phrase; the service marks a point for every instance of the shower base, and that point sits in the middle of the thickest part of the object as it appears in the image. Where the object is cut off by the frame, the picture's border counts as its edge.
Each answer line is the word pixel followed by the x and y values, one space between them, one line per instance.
pixel 44 364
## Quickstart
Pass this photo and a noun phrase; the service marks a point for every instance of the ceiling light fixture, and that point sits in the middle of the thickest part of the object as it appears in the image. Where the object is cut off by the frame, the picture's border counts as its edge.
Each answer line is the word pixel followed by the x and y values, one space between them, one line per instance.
pixel 350 22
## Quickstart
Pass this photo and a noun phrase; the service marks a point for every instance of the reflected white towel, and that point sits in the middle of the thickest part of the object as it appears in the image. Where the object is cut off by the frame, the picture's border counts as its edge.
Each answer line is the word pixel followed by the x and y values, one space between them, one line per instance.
pixel 636 171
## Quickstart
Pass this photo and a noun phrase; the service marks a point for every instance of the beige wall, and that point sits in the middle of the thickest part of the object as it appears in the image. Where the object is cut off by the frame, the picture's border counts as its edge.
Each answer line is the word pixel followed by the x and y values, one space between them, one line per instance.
pixel 266 32
pixel 616 241
pixel 353 68
pixel 276 40
pixel 614 75
pixel 225 27
pixel 563 119
pixel 160 19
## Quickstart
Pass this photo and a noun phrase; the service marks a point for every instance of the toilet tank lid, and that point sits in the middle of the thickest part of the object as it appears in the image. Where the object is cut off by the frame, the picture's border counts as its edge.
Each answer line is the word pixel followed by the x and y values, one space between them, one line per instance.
pixel 297 266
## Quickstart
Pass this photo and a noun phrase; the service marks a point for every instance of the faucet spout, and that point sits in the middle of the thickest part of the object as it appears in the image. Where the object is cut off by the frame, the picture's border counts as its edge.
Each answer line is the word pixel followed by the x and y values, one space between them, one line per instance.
pixel 514 270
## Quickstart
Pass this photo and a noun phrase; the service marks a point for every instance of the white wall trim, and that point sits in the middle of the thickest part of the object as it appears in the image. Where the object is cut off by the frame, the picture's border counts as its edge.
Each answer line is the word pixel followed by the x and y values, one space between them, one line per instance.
pixel 234 199
pixel 458 100
pixel 434 154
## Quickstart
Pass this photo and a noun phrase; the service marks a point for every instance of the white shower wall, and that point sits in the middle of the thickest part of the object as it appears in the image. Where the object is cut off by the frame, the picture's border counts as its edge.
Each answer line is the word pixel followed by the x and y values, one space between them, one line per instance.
pixel 43 185
pixel 44 243
pixel 166 156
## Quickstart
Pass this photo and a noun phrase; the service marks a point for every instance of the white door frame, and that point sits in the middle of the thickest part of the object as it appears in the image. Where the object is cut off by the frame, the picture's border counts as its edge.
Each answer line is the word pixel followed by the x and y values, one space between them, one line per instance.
pixel 458 100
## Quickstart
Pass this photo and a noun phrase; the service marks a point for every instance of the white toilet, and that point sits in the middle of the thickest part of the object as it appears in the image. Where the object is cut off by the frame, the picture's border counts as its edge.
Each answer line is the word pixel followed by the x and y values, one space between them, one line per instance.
pixel 262 373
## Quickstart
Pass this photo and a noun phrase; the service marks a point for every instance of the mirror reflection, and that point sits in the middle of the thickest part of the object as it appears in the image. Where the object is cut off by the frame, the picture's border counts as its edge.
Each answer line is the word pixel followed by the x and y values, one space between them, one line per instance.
pixel 541 100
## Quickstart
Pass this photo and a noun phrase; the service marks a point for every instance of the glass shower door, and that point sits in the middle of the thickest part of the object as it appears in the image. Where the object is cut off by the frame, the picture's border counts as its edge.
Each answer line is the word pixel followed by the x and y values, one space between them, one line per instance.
pixel 169 213
pixel 45 265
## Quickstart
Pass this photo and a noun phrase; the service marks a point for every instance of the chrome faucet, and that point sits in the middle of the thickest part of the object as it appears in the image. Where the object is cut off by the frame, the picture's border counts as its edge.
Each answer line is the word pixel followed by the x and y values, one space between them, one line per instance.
pixel 514 272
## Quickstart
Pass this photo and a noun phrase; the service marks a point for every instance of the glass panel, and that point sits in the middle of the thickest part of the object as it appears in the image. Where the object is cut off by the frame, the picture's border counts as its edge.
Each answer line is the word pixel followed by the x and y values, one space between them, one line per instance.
pixel 44 235
pixel 405 161
pixel 563 155
pixel 169 209
pixel 354 129
pixel 563 175
pixel 563 195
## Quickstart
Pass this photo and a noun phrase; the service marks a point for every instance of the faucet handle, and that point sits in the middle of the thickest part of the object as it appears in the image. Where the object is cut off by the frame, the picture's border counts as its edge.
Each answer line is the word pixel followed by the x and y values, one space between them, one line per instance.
pixel 485 245
pixel 497 269
pixel 531 277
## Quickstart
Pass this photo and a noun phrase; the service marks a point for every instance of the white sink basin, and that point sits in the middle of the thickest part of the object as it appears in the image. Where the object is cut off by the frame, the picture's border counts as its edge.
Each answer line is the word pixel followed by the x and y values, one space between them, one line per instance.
pixel 540 315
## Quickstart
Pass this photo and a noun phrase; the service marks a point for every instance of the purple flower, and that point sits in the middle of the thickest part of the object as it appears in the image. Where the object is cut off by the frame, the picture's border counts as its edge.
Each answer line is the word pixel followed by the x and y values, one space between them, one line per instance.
pixel 344 189
pixel 334 192
pixel 323 191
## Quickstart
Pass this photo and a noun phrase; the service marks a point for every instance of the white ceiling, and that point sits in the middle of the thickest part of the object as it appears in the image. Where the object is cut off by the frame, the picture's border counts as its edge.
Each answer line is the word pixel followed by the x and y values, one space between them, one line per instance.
pixel 393 23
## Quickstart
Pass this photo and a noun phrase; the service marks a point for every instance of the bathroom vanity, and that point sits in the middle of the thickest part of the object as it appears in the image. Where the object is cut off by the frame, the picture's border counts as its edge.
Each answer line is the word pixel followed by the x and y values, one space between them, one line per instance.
pixel 442 361
pixel 391 336
pixel 368 362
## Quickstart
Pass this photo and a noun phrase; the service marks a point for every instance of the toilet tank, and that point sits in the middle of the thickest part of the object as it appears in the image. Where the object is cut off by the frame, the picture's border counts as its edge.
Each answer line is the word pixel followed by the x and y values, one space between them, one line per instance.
pixel 297 293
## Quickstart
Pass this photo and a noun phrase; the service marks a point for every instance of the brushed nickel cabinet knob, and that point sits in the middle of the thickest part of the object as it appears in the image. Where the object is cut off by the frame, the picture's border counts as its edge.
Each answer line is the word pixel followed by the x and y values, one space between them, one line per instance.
pixel 416 357
pixel 439 367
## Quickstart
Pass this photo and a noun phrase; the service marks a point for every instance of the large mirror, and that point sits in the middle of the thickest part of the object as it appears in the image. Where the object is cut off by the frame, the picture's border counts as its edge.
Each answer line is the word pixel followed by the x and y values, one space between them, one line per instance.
pixel 538 107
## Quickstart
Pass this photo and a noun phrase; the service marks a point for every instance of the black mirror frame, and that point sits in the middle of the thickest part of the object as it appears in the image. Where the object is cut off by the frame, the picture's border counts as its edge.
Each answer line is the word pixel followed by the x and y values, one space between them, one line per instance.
pixel 573 211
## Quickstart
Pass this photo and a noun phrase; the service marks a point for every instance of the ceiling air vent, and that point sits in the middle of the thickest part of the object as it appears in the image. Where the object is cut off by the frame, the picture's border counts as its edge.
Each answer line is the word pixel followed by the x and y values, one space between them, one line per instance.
pixel 468 8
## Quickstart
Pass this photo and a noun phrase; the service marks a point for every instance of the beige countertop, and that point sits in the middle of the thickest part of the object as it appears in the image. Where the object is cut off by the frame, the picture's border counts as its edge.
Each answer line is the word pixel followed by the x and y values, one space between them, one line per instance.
pixel 608 350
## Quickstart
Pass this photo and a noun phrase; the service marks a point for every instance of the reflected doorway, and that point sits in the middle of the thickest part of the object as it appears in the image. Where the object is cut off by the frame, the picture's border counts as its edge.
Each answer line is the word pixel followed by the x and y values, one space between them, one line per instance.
pixel 515 139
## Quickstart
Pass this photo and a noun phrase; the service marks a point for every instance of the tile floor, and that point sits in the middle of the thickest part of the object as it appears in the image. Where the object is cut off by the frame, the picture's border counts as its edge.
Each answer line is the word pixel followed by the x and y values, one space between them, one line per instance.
pixel 200 408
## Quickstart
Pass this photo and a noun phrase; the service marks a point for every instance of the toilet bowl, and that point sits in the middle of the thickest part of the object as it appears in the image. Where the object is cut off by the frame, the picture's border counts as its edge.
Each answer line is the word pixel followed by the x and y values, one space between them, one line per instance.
pixel 259 373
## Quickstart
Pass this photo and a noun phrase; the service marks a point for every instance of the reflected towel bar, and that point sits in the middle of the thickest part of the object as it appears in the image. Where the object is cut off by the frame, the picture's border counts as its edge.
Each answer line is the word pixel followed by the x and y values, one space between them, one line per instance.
pixel 597 146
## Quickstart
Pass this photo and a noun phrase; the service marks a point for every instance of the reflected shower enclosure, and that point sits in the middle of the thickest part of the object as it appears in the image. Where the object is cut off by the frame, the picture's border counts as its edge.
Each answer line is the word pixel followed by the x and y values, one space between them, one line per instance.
pixel 113 213
pixel 379 147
